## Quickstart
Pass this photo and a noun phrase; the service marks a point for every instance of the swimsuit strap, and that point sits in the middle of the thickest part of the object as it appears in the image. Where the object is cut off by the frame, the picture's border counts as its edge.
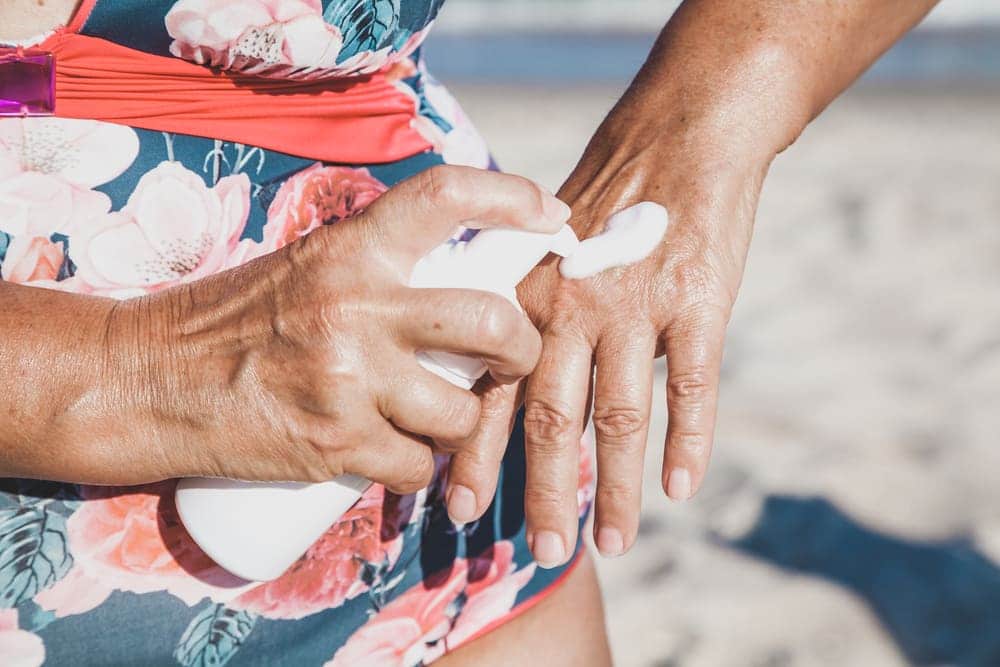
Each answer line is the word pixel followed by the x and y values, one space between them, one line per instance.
pixel 81 15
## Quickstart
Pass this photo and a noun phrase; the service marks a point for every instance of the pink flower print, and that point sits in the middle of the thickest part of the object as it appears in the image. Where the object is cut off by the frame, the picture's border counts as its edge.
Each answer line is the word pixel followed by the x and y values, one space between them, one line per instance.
pixel 315 196
pixel 76 593
pixel 431 619
pixel 35 204
pixel 86 153
pixel 174 229
pixel 19 648
pixel 493 587
pixel 32 259
pixel 330 572
pixel 271 38
pixel 131 539
pixel 48 167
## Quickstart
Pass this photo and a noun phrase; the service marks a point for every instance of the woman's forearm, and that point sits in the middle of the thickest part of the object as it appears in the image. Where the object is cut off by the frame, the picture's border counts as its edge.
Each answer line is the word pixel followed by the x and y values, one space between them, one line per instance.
pixel 292 366
pixel 759 71
pixel 62 385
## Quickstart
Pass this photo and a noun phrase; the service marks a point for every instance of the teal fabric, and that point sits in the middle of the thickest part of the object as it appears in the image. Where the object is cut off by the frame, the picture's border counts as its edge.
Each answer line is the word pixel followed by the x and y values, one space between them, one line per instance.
pixel 108 576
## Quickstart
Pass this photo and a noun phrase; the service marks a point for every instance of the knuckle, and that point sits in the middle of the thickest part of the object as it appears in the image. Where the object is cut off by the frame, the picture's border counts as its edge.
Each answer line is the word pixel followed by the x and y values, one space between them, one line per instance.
pixel 322 460
pixel 285 326
pixel 690 443
pixel 546 424
pixel 617 493
pixel 327 461
pixel 544 496
pixel 497 404
pixel 442 184
pixel 701 318
pixel 689 387
pixel 494 325
pixel 618 424
pixel 417 475
pixel 339 375
pixel 463 416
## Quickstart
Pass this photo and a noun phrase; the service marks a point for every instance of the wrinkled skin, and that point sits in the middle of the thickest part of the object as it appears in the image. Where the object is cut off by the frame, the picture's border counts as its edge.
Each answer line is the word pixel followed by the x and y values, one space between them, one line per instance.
pixel 726 88
pixel 728 85
pixel 307 360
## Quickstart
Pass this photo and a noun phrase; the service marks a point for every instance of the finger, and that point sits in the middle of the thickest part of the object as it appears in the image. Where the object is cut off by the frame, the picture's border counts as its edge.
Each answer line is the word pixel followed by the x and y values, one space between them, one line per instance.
pixel 623 393
pixel 423 211
pixel 400 461
pixel 475 465
pixel 694 356
pixel 554 408
pixel 472 323
pixel 422 403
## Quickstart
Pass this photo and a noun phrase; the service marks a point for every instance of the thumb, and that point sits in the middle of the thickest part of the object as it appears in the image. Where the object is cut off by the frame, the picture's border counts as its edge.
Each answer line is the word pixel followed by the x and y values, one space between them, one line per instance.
pixel 423 211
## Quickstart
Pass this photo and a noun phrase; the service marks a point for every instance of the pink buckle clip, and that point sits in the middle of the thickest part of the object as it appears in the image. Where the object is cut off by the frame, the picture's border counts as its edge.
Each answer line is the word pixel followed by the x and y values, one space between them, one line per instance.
pixel 27 82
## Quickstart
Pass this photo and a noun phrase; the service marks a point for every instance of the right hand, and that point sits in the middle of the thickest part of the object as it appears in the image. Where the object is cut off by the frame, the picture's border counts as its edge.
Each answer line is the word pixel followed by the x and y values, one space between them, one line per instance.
pixel 301 366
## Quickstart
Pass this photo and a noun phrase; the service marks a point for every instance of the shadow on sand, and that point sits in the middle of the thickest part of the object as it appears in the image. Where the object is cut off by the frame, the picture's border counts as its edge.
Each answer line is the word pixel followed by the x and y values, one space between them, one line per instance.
pixel 940 601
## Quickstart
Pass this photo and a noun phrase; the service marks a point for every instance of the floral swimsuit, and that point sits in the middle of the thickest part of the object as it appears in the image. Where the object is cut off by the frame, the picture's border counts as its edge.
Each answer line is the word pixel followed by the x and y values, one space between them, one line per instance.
pixel 107 576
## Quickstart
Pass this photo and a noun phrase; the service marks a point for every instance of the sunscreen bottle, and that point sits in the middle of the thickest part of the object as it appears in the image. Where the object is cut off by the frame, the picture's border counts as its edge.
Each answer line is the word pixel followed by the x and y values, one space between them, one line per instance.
pixel 257 530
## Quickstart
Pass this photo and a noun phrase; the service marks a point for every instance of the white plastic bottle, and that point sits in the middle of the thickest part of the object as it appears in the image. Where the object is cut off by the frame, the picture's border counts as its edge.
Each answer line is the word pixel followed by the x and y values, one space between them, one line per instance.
pixel 256 530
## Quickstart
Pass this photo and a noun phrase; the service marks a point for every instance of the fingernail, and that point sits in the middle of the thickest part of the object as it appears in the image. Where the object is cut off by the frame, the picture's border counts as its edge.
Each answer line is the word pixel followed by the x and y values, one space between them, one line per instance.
pixel 610 541
pixel 679 484
pixel 555 209
pixel 461 504
pixel 548 549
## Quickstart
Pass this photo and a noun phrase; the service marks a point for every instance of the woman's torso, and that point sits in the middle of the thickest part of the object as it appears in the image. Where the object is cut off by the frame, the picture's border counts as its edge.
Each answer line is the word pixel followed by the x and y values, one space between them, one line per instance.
pixel 96 575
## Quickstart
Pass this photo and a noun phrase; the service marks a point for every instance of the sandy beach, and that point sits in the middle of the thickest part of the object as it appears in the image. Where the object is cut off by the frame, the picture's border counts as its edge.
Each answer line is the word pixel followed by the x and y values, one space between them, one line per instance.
pixel 851 514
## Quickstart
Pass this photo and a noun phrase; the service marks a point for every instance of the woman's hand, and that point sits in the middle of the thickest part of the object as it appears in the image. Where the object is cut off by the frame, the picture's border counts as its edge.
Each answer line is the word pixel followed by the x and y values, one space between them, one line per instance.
pixel 301 365
pixel 677 301
pixel 706 167
pixel 727 86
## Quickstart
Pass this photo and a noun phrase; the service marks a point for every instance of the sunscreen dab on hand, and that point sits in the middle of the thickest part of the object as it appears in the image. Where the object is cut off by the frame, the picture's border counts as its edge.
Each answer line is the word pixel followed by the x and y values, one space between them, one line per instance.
pixel 257 530
pixel 629 236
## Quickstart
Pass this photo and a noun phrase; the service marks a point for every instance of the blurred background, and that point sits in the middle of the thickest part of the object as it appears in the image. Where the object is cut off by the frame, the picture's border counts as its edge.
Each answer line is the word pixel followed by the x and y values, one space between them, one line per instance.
pixel 852 512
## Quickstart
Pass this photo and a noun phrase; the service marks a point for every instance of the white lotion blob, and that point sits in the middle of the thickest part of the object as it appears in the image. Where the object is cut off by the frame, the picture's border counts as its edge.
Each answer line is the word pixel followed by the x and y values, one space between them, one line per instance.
pixel 629 236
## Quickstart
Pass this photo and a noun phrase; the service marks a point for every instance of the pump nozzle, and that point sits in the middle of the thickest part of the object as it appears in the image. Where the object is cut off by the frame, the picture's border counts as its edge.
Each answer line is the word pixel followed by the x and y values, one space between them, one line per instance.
pixel 503 257
pixel 495 260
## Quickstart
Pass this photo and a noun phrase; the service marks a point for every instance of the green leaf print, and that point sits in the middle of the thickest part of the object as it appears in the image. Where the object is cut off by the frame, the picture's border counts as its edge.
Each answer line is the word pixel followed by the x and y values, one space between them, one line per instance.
pixel 213 636
pixel 34 553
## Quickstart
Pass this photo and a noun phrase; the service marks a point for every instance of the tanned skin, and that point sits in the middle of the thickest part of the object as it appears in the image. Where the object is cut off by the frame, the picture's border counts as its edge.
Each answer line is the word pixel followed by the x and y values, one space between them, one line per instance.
pixel 728 86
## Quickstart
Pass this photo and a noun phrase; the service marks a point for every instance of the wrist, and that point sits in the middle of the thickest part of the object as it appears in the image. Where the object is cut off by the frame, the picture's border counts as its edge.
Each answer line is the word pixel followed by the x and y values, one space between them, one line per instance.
pixel 676 161
pixel 739 107
pixel 144 391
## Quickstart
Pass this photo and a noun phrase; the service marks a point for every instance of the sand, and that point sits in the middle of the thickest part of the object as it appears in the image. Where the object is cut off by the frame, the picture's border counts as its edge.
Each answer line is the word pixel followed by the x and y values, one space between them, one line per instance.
pixel 862 372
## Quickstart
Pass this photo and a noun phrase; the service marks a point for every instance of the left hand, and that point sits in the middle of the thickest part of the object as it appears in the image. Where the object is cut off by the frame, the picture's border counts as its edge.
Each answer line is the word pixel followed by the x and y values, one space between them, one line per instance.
pixel 727 86
pixel 675 302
